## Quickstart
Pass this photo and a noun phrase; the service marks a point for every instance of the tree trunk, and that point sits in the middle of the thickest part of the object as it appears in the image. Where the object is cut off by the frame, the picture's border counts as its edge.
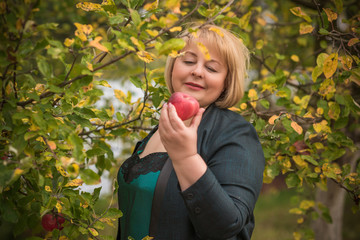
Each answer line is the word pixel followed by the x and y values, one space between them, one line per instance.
pixel 334 199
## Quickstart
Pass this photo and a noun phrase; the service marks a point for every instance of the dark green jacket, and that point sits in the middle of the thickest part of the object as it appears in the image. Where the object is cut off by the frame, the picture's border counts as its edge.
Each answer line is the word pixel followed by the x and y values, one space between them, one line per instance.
pixel 220 204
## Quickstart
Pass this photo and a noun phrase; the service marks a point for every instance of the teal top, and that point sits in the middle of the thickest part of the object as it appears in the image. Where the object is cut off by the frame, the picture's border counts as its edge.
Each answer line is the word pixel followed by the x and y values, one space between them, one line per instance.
pixel 137 179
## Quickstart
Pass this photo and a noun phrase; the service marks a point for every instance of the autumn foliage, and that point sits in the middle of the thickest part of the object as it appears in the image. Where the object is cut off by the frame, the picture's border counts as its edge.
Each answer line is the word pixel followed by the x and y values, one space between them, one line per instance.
pixel 302 98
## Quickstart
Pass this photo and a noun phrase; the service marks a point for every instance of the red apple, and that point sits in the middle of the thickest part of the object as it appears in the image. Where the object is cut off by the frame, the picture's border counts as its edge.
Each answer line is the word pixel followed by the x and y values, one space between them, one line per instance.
pixel 186 106
pixel 50 221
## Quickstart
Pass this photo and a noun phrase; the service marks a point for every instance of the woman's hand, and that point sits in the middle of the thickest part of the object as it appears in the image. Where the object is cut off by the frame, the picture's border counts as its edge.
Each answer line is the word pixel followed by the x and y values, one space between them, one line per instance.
pixel 179 140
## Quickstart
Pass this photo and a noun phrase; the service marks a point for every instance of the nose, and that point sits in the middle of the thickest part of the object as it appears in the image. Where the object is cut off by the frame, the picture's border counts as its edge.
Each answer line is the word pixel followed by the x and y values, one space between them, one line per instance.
pixel 198 72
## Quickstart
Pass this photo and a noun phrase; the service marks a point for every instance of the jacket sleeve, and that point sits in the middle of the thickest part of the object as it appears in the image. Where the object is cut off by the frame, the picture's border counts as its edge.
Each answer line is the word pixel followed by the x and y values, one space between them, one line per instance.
pixel 221 203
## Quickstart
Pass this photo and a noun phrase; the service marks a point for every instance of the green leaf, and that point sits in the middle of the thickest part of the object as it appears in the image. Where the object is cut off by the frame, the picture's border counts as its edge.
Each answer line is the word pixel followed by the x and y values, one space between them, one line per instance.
pixel 135 16
pixel 8 212
pixel 85 112
pixel 174 44
pixel 310 159
pixel 265 103
pixel 136 81
pixel 292 180
pixel 95 152
pixel 44 67
pixel 89 177
pixel 323 31
pixel 156 99
pixel 334 110
pixel 341 123
pixel 316 73
pixel 113 213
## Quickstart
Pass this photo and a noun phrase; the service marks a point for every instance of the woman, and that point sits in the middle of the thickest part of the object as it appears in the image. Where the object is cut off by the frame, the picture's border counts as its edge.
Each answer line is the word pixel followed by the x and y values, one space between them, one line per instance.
pixel 197 179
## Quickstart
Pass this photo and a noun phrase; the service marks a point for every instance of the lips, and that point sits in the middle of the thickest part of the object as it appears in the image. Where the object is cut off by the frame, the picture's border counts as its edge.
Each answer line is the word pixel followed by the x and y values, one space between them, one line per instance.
pixel 194 85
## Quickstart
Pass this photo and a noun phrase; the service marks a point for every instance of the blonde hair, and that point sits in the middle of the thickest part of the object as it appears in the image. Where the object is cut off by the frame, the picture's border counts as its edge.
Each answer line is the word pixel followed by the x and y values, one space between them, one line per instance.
pixel 232 51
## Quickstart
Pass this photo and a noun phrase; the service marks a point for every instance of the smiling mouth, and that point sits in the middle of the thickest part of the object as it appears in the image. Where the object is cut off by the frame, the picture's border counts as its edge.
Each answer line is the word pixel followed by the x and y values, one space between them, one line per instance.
pixel 194 85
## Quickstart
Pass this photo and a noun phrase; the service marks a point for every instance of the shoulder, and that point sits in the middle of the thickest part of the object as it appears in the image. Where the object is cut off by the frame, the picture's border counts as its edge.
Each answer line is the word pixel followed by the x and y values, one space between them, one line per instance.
pixel 223 119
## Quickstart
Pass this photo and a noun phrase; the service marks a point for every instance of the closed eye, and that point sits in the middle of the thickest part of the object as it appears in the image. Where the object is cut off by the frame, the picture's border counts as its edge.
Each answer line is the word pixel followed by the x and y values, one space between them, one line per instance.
pixel 189 62
pixel 211 69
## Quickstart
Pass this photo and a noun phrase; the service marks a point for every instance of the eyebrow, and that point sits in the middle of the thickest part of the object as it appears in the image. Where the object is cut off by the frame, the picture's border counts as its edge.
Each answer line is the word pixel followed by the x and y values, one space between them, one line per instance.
pixel 194 54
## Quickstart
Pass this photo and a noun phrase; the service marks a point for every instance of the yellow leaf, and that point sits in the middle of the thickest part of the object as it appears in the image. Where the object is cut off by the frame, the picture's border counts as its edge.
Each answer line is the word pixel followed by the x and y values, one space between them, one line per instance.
pixel 216 30
pixel 271 87
pixel 261 21
pixel 40 139
pixel 330 65
pixel 152 33
pixel 300 220
pixel 147 238
pixel 204 50
pixel 318 145
pixel 327 88
pixel 125 45
pixel 137 43
pixel 320 111
pixel 234 109
pixel 305 28
pixel 93 232
pixel 74 183
pixel 353 41
pixel 297 235
pixel 59 206
pixel 108 221
pixel 308 115
pixel 62 171
pixel 145 56
pixel 282 94
pixel 296 127
pixel 48 188
pixel 244 20
pixel 272 119
pixel 322 127
pixel 81 35
pixel 96 43
pixel 299 161
pixel 52 145
pixel 173 5
pixel 151 6
pixel 296 211
pixel 40 88
pixel 306 204
pixel 271 16
pixel 68 42
pixel 295 58
pixel 243 106
pixel 175 29
pixel 120 95
pixel 330 14
pixel 87 6
pixel 298 12
pixel 259 44
pixel 346 61
pixel 253 97
pixel 89 66
pixel 66 160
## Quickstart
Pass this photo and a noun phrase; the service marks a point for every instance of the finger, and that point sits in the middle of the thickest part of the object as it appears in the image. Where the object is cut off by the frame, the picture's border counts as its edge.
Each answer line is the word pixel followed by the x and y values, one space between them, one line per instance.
pixel 164 119
pixel 174 119
pixel 197 118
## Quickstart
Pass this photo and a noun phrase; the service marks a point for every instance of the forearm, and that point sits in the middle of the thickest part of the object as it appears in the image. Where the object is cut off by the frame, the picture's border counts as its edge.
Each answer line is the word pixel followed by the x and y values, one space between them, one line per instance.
pixel 188 170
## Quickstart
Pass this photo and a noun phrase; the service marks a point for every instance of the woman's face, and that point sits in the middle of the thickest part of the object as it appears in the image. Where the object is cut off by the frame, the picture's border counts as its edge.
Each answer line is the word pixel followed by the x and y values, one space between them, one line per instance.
pixel 202 78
